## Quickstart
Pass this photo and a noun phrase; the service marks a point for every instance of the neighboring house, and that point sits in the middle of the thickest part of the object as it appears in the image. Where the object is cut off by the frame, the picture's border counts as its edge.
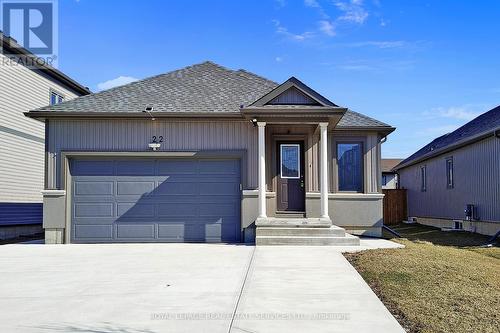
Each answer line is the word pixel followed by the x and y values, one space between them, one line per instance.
pixel 455 170
pixel 208 154
pixel 22 143
pixel 389 176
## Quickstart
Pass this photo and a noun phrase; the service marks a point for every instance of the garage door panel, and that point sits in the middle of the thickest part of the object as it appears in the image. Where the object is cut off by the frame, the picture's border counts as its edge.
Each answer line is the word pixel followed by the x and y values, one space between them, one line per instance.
pixel 219 188
pixel 177 167
pixel 94 210
pixel 177 209
pixel 92 168
pixel 94 221
pixel 135 209
pixel 218 179
pixel 226 167
pixel 163 200
pixel 176 188
pixel 171 232
pixel 135 168
pixel 94 188
pixel 134 188
pixel 220 209
pixel 134 231
pixel 93 232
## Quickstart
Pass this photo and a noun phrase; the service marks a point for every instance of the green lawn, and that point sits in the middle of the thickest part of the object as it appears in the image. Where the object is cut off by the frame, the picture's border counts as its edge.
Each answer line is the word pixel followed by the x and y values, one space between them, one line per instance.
pixel 440 281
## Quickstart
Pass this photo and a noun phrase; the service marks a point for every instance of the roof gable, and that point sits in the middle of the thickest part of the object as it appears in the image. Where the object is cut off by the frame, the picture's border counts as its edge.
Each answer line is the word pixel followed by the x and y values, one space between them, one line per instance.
pixel 293 96
pixel 293 92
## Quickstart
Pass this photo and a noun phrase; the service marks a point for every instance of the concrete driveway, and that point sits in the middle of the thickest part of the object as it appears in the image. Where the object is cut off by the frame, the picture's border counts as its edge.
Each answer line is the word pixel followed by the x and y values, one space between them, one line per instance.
pixel 132 288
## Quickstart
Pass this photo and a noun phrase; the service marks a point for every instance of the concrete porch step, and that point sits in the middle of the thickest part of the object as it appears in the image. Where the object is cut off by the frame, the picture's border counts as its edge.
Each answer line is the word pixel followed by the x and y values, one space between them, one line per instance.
pixel 275 222
pixel 301 231
pixel 347 240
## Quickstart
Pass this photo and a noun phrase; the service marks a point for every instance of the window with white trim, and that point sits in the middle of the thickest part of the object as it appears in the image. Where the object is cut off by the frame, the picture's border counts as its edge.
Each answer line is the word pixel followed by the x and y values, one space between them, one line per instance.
pixel 290 160
pixel 449 172
pixel 55 98
pixel 423 178
pixel 350 166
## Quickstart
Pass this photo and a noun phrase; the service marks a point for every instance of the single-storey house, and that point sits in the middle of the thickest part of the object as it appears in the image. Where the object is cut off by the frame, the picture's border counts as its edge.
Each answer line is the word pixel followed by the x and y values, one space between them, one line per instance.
pixel 454 181
pixel 389 176
pixel 209 154
pixel 25 84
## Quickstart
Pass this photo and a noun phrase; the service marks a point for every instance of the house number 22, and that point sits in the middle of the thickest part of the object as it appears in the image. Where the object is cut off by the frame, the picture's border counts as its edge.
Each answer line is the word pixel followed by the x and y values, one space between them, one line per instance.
pixel 158 139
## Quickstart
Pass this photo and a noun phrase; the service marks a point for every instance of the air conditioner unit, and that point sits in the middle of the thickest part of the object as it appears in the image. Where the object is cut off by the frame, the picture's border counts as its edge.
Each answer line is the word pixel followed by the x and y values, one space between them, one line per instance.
pixel 411 220
pixel 458 225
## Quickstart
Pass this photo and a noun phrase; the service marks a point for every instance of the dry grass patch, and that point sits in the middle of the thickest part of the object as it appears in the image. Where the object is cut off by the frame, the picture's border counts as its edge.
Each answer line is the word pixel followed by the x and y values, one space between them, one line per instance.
pixel 452 287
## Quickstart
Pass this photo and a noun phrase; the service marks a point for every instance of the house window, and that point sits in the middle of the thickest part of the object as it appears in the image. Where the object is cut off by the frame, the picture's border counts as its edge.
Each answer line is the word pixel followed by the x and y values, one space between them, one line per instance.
pixel 423 178
pixel 350 166
pixel 55 98
pixel 290 161
pixel 384 180
pixel 449 172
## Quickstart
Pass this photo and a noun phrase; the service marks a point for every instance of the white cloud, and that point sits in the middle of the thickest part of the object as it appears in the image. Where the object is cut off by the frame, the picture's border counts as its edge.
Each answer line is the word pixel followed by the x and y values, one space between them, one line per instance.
pixel 281 3
pixel 437 130
pixel 327 27
pixel 312 3
pixel 381 44
pixel 357 68
pixel 353 11
pixel 284 31
pixel 464 112
pixel 377 66
pixel 278 59
pixel 119 81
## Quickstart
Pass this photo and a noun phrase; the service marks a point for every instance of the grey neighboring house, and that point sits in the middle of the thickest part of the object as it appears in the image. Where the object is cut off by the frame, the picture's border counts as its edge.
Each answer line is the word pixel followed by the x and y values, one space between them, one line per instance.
pixel 455 170
pixel 389 176
pixel 209 154
pixel 22 143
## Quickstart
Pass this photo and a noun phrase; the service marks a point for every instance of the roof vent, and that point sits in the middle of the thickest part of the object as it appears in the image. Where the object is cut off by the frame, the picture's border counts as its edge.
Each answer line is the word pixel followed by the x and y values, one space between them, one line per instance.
pixel 148 109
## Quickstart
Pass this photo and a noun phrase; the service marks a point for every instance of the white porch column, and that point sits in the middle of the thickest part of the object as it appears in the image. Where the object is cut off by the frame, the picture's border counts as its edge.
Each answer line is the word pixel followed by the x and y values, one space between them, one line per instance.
pixel 262 169
pixel 323 165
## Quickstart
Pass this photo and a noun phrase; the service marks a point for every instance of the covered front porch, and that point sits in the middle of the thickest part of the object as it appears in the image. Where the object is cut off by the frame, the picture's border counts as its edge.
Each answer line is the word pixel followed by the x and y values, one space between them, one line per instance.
pixel 293 188
pixel 293 168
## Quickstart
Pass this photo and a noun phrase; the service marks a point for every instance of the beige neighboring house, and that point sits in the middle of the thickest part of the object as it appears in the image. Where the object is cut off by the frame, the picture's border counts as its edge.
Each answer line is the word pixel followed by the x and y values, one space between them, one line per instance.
pixel 454 181
pixel 22 142
pixel 389 176
pixel 210 154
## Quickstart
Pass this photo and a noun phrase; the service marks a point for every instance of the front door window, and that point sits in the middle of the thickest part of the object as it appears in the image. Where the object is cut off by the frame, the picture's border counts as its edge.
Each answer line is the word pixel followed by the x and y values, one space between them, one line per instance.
pixel 290 161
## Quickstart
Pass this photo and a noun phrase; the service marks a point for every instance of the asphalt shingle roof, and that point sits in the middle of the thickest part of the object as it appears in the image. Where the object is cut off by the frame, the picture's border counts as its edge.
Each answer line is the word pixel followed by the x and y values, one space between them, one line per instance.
pixel 200 88
pixel 355 119
pixel 388 163
pixel 486 122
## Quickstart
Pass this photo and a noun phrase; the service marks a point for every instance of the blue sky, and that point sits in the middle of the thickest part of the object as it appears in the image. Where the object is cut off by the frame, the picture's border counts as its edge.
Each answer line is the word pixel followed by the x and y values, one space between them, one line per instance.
pixel 425 67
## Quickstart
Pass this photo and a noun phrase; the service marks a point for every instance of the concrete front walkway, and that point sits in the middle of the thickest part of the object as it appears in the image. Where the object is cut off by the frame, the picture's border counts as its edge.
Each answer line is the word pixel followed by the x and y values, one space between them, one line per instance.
pixel 131 288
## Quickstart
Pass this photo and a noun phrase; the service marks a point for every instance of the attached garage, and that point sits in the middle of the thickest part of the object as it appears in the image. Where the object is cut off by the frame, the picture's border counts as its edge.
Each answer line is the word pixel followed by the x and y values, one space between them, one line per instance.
pixel 155 200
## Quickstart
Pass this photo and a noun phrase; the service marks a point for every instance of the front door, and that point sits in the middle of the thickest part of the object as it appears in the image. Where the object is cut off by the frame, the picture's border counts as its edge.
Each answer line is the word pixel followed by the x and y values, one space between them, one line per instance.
pixel 291 189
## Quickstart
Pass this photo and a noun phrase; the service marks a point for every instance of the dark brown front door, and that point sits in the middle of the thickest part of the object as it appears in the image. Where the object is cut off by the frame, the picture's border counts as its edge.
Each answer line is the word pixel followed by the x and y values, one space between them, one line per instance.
pixel 290 172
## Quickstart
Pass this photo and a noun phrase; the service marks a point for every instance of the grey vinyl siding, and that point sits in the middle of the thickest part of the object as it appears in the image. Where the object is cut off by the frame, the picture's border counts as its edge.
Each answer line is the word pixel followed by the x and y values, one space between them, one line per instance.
pixel 293 96
pixel 22 144
pixel 476 173
pixel 135 135
pixel 16 213
pixel 190 135
pixel 21 138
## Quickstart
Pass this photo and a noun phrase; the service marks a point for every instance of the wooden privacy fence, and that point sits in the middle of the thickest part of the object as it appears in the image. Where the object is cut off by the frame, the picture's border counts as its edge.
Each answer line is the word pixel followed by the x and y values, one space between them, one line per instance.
pixel 395 206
